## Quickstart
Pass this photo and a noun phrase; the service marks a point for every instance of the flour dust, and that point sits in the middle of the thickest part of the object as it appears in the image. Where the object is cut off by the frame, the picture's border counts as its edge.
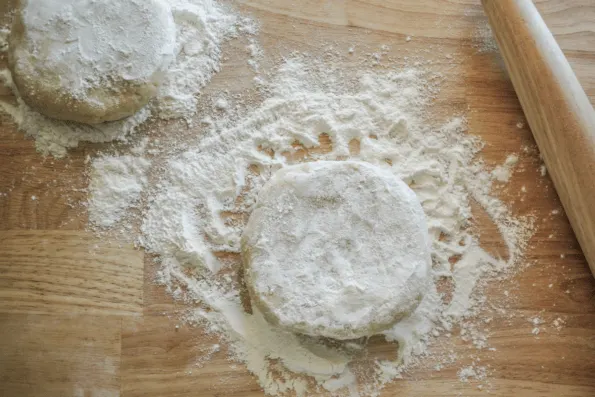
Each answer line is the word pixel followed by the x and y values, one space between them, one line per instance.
pixel 116 183
pixel 196 209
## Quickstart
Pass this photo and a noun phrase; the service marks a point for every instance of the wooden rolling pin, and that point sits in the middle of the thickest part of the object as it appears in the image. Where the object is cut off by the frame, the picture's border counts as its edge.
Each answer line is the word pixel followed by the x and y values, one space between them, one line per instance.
pixel 556 107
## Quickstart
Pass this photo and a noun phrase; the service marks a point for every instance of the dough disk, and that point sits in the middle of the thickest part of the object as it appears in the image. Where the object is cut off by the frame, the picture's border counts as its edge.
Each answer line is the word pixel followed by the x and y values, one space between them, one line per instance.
pixel 90 61
pixel 337 249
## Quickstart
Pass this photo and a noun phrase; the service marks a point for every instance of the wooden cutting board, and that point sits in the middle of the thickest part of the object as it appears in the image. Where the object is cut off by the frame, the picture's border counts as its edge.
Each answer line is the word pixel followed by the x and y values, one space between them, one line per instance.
pixel 80 317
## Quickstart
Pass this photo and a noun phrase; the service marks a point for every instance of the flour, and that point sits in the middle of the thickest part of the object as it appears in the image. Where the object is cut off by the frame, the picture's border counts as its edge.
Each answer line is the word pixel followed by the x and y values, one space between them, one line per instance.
pixel 4 34
pixel 483 38
pixel 196 214
pixel 115 186
pixel 503 172
pixel 201 27
pixel 472 373
pixel 54 137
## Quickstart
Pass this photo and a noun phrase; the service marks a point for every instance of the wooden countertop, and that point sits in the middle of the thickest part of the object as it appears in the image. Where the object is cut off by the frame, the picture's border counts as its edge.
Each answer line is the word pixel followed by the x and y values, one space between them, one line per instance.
pixel 80 317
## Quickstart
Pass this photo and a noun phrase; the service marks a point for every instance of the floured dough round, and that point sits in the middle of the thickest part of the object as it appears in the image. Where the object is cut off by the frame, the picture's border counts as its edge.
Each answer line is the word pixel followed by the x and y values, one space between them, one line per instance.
pixel 89 60
pixel 336 249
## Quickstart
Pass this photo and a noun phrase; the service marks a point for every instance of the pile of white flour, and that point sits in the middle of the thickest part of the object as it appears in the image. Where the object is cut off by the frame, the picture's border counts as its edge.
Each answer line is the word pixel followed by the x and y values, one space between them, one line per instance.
pixel 196 211
pixel 201 28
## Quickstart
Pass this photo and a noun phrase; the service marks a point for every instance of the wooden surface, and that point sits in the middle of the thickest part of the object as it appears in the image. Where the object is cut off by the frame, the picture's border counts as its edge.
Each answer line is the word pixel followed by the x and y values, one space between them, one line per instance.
pixel 558 111
pixel 79 315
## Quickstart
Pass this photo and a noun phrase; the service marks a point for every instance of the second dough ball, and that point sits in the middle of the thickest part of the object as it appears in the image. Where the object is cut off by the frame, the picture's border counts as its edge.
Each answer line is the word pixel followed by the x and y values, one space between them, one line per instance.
pixel 90 61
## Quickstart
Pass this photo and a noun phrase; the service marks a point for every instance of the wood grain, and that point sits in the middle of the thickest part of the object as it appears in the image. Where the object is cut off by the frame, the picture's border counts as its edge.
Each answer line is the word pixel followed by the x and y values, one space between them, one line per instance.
pixel 556 107
pixel 133 322
pixel 68 272
pixel 160 359
pixel 57 356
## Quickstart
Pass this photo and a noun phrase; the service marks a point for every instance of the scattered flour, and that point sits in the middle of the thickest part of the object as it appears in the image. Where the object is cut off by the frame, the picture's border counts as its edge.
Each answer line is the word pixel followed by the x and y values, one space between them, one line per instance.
pixel 472 373
pixel 55 136
pixel 483 38
pixel 4 34
pixel 536 322
pixel 115 185
pixel 197 211
pixel 503 172
pixel 558 323
pixel 535 331
pixel 255 53
pixel 201 27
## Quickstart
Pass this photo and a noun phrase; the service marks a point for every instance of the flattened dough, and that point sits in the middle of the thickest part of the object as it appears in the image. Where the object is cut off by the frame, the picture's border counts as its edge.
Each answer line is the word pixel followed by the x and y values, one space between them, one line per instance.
pixel 336 249
pixel 88 60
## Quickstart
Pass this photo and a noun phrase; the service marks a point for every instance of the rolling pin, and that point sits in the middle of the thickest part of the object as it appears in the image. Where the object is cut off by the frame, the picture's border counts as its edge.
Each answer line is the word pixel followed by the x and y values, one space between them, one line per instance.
pixel 558 111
